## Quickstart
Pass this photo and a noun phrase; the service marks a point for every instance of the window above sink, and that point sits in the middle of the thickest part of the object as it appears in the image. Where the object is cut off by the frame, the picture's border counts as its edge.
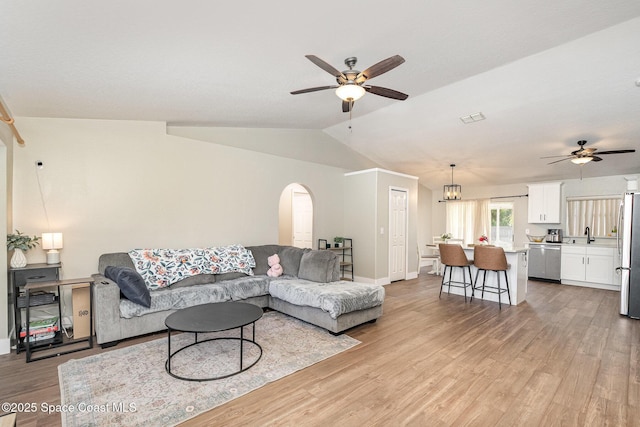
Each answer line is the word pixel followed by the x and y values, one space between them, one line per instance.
pixel 599 213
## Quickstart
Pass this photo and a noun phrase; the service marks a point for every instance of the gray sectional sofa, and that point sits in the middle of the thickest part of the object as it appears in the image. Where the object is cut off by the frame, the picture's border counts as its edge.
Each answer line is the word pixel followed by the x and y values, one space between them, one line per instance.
pixel 309 290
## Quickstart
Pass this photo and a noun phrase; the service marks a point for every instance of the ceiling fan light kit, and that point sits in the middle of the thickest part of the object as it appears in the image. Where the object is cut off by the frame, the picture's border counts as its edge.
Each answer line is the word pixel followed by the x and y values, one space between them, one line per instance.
pixel 453 191
pixel 350 92
pixel 581 160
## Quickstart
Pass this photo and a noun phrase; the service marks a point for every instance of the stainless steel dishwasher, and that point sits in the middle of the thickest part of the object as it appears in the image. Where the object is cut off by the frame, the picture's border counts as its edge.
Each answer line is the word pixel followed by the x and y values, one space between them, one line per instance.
pixel 544 262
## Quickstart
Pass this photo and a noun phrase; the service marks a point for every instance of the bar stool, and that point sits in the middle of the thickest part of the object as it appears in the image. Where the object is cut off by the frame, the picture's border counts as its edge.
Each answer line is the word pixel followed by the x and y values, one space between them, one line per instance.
pixel 491 258
pixel 453 256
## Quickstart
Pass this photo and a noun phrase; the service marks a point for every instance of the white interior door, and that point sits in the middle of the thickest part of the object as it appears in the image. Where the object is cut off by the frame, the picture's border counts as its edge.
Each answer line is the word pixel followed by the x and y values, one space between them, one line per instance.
pixel 397 234
pixel 302 218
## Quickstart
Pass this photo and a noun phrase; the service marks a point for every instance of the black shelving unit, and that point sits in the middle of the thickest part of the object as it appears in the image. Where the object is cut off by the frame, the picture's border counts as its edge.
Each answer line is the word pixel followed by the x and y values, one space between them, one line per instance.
pixel 345 252
pixel 18 278
pixel 74 344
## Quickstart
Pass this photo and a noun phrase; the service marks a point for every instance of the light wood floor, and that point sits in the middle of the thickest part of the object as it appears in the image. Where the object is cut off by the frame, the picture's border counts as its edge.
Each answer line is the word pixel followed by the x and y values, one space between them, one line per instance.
pixel 564 357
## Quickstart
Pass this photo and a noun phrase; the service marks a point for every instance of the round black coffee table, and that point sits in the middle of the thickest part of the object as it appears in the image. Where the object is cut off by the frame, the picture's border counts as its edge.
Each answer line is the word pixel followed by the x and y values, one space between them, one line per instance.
pixel 213 317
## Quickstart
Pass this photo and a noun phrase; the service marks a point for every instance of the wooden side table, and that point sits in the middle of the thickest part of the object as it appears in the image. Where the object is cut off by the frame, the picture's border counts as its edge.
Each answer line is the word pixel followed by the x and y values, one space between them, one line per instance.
pixel 51 350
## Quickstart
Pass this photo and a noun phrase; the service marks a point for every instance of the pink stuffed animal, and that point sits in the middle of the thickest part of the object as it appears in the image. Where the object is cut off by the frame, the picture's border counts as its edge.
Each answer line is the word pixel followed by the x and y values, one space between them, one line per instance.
pixel 276 269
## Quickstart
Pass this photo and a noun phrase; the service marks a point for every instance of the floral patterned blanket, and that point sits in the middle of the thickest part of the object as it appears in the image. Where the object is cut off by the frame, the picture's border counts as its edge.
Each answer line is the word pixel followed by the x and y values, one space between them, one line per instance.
pixel 162 267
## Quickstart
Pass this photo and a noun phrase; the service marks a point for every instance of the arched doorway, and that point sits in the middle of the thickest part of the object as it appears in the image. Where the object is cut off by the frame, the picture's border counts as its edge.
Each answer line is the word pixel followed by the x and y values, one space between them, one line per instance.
pixel 296 217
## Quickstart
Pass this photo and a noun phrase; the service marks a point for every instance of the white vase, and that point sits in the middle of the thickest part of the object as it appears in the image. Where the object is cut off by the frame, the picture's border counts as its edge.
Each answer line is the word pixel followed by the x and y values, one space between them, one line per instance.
pixel 18 260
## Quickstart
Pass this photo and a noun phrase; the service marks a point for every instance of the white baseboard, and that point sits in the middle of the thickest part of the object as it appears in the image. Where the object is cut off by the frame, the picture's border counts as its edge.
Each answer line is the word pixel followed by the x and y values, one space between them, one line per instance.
pixel 591 285
pixel 382 281
pixel 411 275
pixel 5 346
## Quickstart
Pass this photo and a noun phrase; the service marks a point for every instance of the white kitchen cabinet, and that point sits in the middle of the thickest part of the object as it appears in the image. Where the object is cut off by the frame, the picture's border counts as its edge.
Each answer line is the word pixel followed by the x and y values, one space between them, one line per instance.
pixel 588 266
pixel 544 203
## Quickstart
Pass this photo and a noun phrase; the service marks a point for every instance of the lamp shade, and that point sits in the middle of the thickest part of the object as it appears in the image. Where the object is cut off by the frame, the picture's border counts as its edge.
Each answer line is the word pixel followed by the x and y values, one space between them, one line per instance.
pixel 350 92
pixel 51 241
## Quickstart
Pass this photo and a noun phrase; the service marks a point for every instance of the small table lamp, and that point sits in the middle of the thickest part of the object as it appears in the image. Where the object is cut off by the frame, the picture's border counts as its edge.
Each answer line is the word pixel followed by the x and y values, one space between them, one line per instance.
pixel 51 242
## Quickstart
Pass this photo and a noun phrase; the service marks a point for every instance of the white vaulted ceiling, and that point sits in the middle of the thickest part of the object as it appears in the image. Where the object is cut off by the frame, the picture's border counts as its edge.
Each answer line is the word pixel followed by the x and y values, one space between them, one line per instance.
pixel 545 74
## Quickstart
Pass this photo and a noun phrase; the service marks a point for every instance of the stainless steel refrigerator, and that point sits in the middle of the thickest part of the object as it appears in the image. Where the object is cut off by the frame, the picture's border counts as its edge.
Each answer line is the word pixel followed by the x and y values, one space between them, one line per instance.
pixel 629 251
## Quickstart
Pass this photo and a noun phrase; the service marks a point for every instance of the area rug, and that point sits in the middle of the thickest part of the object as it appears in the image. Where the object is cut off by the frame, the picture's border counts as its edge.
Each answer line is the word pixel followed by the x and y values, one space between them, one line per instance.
pixel 130 386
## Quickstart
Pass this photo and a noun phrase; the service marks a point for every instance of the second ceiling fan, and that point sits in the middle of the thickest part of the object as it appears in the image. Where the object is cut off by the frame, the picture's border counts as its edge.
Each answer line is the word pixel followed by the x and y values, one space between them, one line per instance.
pixel 586 155
pixel 351 86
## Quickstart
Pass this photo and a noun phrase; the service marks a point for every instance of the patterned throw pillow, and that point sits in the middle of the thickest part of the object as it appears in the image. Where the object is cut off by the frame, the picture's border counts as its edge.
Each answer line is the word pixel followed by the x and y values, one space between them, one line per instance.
pixel 229 259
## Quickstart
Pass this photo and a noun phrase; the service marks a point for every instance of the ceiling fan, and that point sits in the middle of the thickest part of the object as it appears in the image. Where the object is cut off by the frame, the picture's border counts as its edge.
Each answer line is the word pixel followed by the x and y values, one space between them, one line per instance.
pixel 585 155
pixel 351 86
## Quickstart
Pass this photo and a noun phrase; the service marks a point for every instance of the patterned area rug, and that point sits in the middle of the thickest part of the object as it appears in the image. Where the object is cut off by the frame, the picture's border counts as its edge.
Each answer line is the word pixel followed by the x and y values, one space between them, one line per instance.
pixel 130 386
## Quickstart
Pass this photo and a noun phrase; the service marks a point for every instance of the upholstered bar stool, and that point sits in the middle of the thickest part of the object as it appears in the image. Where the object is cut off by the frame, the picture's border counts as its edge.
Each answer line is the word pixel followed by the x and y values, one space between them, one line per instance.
pixel 452 256
pixel 491 258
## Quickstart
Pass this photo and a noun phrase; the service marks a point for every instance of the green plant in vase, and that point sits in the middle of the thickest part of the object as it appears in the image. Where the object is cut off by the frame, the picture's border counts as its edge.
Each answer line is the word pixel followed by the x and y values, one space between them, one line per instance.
pixel 338 241
pixel 19 243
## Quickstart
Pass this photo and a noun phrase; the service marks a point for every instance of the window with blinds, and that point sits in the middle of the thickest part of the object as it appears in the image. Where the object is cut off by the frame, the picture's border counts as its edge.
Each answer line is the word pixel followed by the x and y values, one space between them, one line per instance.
pixel 600 214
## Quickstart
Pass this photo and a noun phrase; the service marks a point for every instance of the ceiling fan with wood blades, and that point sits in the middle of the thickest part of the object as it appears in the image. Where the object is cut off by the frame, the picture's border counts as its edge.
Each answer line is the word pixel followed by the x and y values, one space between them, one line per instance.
pixel 585 155
pixel 351 85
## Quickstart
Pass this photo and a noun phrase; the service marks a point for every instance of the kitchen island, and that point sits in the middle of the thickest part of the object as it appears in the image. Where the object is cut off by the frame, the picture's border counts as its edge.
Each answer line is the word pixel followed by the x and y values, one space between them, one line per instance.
pixel 517 275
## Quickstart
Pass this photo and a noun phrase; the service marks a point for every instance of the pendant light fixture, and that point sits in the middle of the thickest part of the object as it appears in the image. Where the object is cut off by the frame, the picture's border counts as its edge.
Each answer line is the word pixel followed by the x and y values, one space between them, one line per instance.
pixel 453 191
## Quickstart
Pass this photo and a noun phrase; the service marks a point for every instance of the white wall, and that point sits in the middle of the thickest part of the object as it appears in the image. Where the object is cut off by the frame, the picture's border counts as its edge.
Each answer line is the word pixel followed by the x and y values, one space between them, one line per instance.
pixel 425 216
pixel 6 149
pixel 118 185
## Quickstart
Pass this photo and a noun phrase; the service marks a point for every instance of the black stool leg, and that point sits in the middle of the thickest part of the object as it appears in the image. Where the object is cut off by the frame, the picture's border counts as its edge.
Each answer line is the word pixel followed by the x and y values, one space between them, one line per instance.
pixel 484 280
pixel 444 274
pixel 499 292
pixel 474 284
pixel 464 283
pixel 507 280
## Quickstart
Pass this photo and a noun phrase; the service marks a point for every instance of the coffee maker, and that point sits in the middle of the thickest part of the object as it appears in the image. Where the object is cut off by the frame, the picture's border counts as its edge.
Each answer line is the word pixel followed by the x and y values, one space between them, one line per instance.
pixel 554 235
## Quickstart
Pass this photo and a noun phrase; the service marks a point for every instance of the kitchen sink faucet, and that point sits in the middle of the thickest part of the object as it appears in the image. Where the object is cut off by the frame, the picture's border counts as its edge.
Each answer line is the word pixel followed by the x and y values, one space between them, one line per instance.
pixel 590 239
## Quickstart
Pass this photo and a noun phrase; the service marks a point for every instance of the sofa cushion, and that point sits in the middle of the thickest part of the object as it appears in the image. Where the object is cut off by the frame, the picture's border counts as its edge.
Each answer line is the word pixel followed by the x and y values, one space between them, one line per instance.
pixel 173 299
pixel 131 284
pixel 290 259
pixel 199 279
pixel 260 254
pixel 318 266
pixel 336 298
pixel 246 287
pixel 117 259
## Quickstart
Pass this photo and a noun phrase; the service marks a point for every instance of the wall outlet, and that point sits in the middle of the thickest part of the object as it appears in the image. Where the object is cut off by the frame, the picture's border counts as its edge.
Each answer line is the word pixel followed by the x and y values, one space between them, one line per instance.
pixel 526 230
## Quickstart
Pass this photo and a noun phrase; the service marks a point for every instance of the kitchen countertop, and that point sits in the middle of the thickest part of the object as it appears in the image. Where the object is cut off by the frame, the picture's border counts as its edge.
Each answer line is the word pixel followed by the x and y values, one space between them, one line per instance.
pixel 595 244
pixel 506 250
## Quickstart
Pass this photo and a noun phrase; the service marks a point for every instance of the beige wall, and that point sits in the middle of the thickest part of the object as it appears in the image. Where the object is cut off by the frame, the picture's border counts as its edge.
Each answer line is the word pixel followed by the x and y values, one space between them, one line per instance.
pixel 360 201
pixel 118 185
pixel 367 211
pixel 309 145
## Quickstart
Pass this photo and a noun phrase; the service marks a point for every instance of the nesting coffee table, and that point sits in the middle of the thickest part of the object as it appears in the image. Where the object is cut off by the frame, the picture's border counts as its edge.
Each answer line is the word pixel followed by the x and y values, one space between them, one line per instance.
pixel 213 317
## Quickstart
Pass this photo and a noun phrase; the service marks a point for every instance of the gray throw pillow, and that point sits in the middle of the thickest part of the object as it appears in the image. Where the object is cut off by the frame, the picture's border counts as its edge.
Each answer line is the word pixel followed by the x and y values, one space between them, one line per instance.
pixel 317 266
pixel 131 284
